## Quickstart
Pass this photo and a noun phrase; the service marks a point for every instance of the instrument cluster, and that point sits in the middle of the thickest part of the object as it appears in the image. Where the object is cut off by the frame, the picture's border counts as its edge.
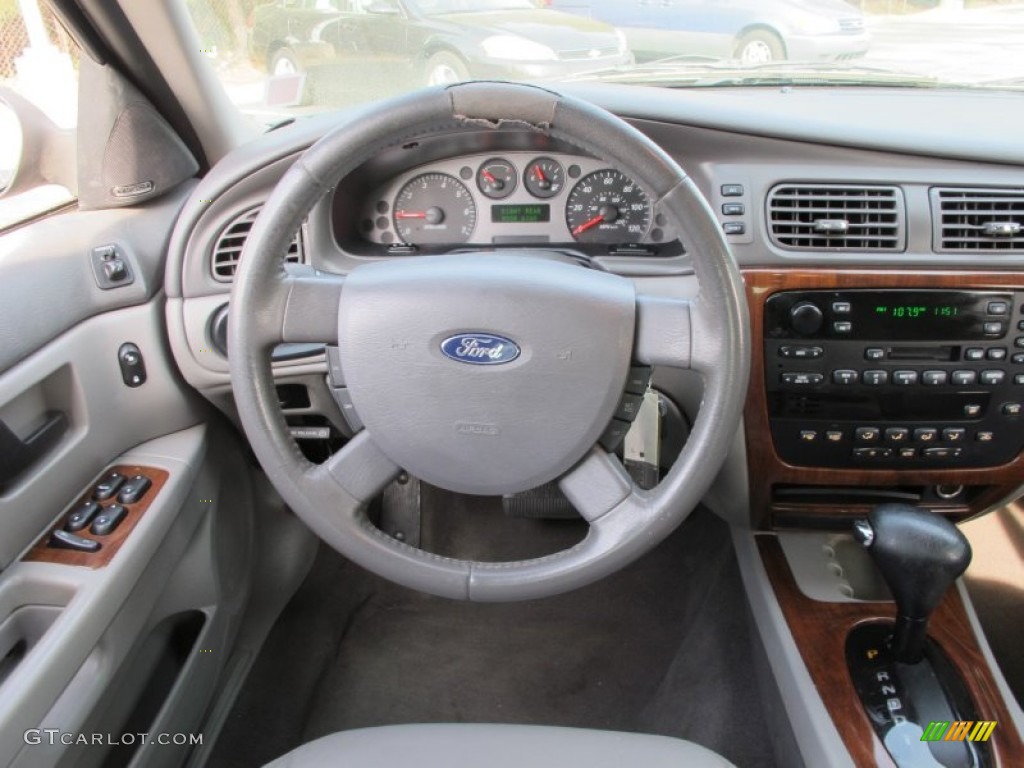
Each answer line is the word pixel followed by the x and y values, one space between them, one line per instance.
pixel 511 198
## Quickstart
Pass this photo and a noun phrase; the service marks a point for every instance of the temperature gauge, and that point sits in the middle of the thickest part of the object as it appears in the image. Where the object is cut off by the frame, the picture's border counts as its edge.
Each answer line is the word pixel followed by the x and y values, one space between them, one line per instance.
pixel 496 178
pixel 544 177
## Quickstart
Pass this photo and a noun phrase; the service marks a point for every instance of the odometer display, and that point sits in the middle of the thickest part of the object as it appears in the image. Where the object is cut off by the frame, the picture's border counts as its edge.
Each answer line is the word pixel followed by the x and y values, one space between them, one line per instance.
pixel 434 208
pixel 521 214
pixel 608 207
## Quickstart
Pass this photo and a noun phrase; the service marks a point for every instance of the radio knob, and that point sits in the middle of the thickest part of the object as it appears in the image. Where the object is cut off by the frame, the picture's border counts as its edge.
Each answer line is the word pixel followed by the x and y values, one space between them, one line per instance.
pixel 806 318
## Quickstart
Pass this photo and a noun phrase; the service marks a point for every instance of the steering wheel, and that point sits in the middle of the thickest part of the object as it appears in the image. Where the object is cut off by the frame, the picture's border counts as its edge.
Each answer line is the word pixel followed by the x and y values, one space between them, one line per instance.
pixel 561 339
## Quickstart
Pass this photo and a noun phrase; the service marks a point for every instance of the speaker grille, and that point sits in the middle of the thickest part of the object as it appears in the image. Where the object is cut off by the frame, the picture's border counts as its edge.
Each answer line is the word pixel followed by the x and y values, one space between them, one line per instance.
pixel 227 251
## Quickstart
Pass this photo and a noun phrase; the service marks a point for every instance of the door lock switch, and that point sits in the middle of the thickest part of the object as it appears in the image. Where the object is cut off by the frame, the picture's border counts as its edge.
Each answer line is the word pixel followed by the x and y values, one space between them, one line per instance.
pixel 133 368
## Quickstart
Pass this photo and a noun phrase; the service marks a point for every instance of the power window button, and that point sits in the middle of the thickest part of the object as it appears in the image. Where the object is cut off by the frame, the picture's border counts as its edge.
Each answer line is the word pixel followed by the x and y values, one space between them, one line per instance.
pixel 105 523
pixel 107 487
pixel 134 489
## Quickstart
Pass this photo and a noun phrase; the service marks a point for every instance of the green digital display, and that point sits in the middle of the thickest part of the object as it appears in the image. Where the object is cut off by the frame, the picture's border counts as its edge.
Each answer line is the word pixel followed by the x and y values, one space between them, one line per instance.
pixel 531 213
pixel 916 311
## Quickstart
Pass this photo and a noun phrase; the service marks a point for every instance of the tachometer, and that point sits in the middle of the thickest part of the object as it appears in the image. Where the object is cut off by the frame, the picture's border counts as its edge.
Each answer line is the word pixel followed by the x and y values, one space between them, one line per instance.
pixel 434 208
pixel 608 207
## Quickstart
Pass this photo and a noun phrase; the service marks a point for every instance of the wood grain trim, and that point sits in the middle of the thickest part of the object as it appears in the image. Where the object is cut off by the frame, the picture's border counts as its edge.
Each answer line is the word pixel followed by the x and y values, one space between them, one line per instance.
pixel 41 552
pixel 766 468
pixel 820 631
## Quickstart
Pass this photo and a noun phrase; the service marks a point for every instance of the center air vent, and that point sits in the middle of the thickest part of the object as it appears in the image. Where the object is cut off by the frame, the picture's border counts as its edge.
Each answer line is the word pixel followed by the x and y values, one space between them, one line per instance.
pixel 978 220
pixel 826 217
pixel 228 249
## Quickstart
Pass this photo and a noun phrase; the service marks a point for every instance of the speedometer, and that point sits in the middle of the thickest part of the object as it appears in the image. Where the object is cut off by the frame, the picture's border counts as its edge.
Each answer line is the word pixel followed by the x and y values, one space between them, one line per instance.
pixel 608 207
pixel 434 208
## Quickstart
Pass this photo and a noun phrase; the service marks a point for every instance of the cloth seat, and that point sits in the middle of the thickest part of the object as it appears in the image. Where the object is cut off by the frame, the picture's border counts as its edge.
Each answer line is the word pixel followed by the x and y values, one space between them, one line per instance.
pixel 451 745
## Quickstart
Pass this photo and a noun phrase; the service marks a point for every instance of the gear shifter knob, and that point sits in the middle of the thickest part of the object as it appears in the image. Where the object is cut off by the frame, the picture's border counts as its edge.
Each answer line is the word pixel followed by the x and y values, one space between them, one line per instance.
pixel 920 555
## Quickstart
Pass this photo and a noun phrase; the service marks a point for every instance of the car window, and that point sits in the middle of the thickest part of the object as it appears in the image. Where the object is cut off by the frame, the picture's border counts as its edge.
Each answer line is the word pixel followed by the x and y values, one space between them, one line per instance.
pixel 280 60
pixel 39 64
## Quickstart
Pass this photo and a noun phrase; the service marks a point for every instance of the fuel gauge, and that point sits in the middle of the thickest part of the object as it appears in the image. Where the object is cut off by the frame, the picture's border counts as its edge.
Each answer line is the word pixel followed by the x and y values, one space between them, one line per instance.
pixel 496 178
pixel 544 177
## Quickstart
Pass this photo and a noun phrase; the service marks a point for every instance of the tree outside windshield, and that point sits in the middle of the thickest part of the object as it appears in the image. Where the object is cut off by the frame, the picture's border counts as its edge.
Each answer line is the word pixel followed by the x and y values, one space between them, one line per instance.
pixel 293 57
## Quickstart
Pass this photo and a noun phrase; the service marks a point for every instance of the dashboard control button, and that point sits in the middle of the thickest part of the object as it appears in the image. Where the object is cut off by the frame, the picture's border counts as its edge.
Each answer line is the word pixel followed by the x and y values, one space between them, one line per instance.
pixel 907 452
pixel 897 435
pixel 734 228
pixel 904 378
pixel 874 353
pixel 842 326
pixel 964 378
pixel 1011 409
pixel 872 453
pixel 845 377
pixel 996 353
pixel 841 307
pixel 926 434
pixel 82 516
pixel 629 407
pixel 875 378
pixel 1019 341
pixel 972 409
pixel 994 328
pixel 614 434
pixel 134 489
pixel 64 540
pixel 934 378
pixel 802 379
pixel 834 436
pixel 941 453
pixel 1018 358
pixel 1020 323
pixel 1018 378
pixel 808 435
pixel 638 379
pixel 974 353
pixel 985 436
pixel 732 190
pixel 801 353
pixel 993 378
pixel 867 434
pixel 998 308
pixel 733 209
pixel 105 524
pixel 107 487
pixel 953 434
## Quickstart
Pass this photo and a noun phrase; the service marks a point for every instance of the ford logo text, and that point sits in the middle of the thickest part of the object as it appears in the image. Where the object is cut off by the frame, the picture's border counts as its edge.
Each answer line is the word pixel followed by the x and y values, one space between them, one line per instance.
pixel 480 349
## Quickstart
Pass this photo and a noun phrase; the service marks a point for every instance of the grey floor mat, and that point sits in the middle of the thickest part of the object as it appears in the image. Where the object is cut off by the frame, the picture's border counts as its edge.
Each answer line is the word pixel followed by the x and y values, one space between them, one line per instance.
pixel 661 647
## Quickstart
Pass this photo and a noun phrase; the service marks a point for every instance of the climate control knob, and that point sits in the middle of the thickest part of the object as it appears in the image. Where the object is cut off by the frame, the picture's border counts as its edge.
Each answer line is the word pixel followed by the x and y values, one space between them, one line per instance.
pixel 806 318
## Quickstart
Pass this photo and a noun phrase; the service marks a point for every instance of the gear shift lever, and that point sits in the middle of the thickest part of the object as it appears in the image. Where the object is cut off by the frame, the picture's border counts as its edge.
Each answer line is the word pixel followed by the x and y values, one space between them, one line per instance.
pixel 920 555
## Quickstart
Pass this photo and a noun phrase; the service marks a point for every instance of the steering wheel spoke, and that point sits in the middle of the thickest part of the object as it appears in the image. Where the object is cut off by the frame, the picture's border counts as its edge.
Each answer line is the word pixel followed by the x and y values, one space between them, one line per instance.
pixel 311 309
pixel 360 469
pixel 664 331
pixel 596 485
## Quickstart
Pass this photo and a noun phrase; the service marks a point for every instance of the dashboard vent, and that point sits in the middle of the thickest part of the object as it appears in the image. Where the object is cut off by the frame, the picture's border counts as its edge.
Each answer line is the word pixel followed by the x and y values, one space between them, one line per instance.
pixel 978 220
pixel 825 217
pixel 228 248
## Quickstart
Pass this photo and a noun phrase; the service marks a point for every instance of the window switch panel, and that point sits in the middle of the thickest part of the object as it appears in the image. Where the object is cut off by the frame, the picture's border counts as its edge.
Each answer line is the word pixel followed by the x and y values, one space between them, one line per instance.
pixel 105 523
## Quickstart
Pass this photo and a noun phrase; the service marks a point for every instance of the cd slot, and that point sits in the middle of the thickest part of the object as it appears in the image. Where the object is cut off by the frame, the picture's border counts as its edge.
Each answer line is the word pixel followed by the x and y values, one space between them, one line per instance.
pixel 942 354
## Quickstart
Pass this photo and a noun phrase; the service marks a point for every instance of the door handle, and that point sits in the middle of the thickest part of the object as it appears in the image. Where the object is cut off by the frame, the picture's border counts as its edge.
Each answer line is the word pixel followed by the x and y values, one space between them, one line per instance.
pixel 17 455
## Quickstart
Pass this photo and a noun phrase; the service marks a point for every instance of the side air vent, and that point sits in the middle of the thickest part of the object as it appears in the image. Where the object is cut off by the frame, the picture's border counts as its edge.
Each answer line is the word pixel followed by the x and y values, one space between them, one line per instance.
pixel 228 248
pixel 829 217
pixel 978 220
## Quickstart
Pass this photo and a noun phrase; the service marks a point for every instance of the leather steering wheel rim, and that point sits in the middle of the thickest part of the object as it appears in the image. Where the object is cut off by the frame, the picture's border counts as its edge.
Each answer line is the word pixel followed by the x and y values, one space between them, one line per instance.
pixel 709 334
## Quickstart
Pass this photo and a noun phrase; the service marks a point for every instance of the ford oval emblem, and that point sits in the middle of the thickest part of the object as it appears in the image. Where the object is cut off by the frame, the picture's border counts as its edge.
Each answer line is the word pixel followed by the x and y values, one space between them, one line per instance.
pixel 480 349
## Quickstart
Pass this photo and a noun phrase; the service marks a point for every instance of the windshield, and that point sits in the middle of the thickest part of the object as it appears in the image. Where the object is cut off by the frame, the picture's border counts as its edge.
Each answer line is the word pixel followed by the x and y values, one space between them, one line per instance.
pixel 293 57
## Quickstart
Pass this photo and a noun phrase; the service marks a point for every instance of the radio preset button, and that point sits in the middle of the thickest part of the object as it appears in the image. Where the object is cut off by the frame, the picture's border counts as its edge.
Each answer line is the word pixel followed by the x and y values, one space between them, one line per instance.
pixel 998 308
pixel 985 436
pixel 904 378
pixel 934 378
pixel 996 353
pixel 801 353
pixel 872 453
pixel 994 328
pixel 834 436
pixel 874 353
pixel 841 307
pixel 897 435
pixel 875 378
pixel 953 434
pixel 964 378
pixel 867 434
pixel 808 435
pixel 802 379
pixel 926 434
pixel 974 353
pixel 1011 409
pixel 971 410
pixel 993 378
pixel 845 377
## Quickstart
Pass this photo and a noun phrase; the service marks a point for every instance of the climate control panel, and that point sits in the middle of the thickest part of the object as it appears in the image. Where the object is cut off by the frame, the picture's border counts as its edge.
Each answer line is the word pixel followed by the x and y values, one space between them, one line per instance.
pixel 894 379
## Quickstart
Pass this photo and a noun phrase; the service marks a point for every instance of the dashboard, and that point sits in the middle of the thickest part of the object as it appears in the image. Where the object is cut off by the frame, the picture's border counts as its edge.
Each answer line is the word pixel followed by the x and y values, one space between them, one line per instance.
pixel 512 198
